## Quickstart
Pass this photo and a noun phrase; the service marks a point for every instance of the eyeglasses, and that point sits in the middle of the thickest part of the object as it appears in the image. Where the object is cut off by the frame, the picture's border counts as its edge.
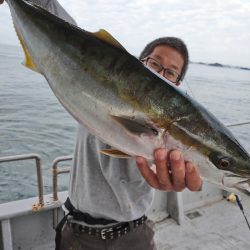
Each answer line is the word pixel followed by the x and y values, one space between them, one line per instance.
pixel 169 74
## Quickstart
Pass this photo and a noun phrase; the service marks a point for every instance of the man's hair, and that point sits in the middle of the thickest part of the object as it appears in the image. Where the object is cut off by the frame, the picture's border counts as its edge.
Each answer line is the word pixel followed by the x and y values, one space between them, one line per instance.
pixel 173 42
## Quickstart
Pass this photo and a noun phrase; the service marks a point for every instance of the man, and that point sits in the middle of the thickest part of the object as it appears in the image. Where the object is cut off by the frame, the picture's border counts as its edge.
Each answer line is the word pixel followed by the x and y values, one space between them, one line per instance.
pixel 109 197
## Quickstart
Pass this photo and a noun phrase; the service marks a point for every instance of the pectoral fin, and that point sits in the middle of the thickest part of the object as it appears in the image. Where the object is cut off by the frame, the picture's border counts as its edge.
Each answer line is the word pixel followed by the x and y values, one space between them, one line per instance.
pixel 136 127
pixel 115 153
pixel 107 37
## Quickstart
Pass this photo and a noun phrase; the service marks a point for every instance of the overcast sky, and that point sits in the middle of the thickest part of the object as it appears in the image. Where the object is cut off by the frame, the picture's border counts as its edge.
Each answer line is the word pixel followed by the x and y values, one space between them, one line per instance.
pixel 214 30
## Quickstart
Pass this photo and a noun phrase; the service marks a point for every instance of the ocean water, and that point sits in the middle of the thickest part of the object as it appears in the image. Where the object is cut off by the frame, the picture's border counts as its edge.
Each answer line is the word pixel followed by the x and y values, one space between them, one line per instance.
pixel 33 121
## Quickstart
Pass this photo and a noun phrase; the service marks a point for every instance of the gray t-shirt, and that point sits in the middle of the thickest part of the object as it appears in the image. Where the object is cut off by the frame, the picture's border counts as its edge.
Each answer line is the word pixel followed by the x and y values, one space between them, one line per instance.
pixel 102 186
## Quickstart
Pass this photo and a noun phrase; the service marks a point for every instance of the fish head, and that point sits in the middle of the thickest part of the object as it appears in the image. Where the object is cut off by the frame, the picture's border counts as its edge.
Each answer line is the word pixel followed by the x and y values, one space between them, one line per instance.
pixel 234 165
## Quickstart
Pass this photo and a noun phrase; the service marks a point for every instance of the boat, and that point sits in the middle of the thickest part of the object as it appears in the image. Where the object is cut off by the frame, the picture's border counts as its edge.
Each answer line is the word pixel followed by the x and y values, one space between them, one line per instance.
pixel 185 220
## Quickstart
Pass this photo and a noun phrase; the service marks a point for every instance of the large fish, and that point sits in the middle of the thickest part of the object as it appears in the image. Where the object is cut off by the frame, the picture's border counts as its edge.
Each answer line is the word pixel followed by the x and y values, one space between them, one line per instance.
pixel 120 100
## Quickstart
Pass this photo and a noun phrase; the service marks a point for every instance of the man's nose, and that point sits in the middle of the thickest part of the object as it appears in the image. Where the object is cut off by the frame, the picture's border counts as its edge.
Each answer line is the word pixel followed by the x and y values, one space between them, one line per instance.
pixel 161 72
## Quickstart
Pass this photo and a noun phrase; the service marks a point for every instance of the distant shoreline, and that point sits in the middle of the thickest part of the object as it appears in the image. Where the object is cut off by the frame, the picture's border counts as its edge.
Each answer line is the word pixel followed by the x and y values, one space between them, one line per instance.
pixel 200 63
pixel 221 65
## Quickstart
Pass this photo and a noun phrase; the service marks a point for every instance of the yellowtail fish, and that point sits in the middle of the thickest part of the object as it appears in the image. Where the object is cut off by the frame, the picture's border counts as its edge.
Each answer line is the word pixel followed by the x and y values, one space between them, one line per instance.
pixel 123 102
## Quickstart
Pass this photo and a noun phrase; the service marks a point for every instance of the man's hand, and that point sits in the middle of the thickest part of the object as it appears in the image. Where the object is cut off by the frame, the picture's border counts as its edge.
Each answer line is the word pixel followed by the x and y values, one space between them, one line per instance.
pixel 171 172
pixel 1 1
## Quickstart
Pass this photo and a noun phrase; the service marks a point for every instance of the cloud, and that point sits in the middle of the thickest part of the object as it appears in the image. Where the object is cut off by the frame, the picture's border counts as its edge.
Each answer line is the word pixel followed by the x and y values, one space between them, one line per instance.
pixel 215 30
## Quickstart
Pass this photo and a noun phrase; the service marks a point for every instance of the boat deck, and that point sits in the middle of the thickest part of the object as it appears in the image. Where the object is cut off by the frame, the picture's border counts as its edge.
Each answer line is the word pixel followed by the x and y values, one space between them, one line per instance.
pixel 183 221
pixel 217 226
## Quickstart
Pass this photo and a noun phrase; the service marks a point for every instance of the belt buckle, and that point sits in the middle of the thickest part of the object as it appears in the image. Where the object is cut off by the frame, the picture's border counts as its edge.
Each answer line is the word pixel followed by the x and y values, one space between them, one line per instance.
pixel 106 230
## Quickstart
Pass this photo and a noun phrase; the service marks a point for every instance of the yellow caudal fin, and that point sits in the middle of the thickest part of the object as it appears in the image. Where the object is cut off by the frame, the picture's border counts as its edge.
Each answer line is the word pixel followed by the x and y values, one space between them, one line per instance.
pixel 115 153
pixel 107 37
pixel 28 60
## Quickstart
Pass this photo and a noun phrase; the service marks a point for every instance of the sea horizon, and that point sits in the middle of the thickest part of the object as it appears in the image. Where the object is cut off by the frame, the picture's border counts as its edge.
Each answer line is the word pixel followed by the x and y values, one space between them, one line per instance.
pixel 214 63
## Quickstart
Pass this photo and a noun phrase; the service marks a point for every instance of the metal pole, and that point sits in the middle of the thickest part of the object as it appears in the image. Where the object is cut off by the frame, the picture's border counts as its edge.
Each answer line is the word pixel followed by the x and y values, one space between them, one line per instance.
pixel 238 124
pixel 55 173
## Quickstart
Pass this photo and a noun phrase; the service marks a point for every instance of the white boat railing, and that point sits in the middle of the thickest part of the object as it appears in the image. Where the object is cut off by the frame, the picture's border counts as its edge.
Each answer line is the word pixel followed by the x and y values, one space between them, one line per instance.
pixel 37 159
pixel 56 171
pixel 235 124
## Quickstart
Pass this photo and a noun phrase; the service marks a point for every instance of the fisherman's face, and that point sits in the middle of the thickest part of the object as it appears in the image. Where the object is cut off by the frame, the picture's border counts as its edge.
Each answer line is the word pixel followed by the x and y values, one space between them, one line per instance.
pixel 169 58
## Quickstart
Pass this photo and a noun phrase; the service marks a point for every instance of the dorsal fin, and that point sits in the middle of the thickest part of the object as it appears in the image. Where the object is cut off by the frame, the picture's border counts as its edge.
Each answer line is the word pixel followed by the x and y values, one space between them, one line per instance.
pixel 28 62
pixel 107 37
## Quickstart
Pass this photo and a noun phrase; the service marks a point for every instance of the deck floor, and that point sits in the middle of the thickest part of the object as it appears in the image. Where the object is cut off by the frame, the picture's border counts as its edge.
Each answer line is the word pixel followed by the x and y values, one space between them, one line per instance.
pixel 217 226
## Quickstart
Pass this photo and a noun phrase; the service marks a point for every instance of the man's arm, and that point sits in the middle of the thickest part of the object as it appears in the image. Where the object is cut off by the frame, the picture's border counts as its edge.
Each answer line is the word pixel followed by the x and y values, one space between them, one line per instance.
pixel 54 7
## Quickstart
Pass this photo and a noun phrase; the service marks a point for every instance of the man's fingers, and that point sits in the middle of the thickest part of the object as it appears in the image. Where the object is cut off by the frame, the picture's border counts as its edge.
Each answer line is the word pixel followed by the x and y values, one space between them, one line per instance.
pixel 147 173
pixel 193 180
pixel 178 170
pixel 171 172
pixel 162 171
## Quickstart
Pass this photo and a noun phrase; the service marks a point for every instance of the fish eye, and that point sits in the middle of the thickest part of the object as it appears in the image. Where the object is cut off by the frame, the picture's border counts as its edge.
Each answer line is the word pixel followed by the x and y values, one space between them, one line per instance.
pixel 220 161
pixel 224 163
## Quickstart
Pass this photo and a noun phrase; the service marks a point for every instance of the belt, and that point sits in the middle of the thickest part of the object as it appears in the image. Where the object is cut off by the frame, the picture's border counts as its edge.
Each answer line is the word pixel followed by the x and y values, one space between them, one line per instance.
pixel 87 218
pixel 111 232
